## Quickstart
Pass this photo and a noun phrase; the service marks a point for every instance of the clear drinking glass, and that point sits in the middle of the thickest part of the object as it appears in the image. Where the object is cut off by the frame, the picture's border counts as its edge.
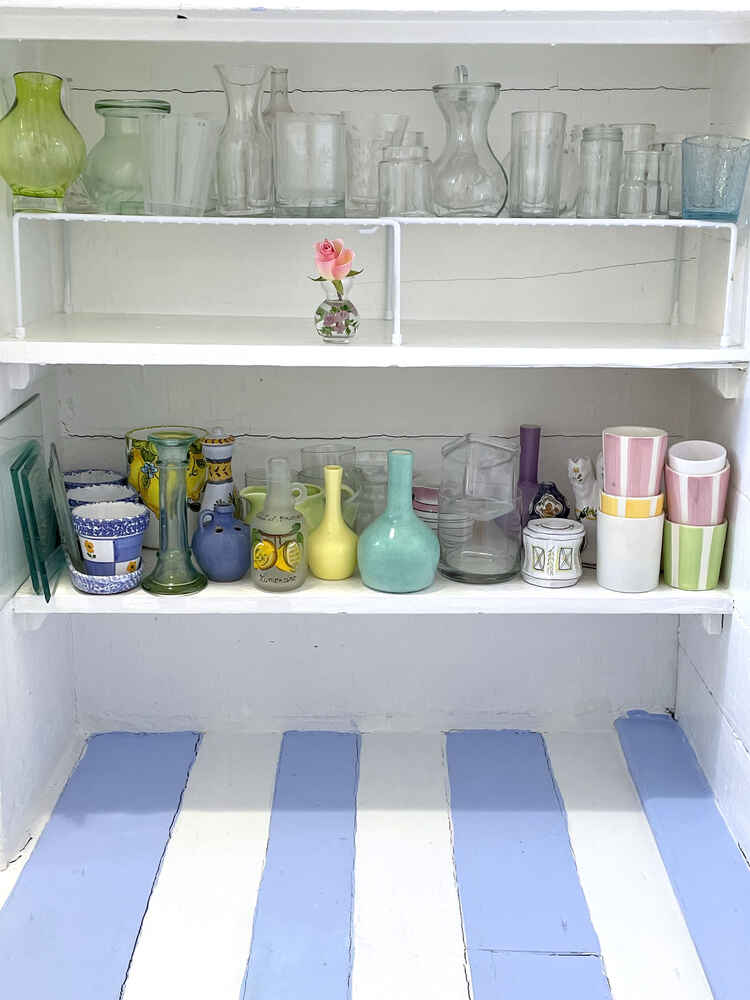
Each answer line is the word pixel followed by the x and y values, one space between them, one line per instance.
pixel 536 149
pixel 309 164
pixel 632 202
pixel 412 138
pixel 670 173
pixel 366 135
pixel 179 159
pixel 468 177
pixel 244 169
pixel 636 135
pixel 479 522
pixel 405 182
pixel 601 167
pixel 570 183
pixel 714 170
pixel 373 471
pixel 315 457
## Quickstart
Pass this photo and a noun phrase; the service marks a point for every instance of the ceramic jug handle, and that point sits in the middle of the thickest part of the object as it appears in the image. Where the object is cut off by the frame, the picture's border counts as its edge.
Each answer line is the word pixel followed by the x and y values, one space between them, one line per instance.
pixel 206 516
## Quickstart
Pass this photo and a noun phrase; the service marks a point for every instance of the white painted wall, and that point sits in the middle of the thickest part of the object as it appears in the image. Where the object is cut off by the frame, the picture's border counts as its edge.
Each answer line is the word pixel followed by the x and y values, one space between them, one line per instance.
pixel 713 696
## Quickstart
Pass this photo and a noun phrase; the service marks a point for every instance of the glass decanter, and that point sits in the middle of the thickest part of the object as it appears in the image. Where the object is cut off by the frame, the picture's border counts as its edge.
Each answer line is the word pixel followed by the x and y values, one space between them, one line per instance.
pixel 468 177
pixel 175 572
pixel 41 150
pixel 244 161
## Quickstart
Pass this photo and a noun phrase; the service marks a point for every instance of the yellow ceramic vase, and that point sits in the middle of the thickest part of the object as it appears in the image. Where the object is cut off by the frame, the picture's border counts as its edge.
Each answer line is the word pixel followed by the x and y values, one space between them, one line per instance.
pixel 332 547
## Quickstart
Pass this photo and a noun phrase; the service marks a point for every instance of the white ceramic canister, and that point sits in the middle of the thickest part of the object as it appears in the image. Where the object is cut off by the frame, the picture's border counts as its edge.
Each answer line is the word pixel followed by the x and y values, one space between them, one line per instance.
pixel 628 556
pixel 552 552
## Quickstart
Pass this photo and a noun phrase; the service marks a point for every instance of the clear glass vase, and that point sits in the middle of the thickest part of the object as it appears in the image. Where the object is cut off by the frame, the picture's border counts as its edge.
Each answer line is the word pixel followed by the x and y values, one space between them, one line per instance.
pixel 175 572
pixel 336 318
pixel 468 177
pixel 113 176
pixel 41 150
pixel 244 161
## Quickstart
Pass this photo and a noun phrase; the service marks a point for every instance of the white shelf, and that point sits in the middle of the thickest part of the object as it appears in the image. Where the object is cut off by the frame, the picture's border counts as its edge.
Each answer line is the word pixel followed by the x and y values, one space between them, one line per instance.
pixel 384 22
pixel 352 597
pixel 135 339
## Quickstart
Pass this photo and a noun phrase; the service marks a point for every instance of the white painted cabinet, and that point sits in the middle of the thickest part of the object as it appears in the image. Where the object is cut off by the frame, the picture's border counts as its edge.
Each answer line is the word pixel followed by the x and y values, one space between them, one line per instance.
pixel 467 325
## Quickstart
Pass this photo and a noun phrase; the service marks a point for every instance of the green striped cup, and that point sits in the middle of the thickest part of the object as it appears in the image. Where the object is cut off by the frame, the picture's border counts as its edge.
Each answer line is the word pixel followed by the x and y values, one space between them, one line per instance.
pixel 692 555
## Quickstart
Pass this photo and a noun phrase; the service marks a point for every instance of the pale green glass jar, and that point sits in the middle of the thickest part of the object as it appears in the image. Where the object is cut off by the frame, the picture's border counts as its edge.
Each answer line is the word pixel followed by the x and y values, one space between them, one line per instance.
pixel 41 150
pixel 113 177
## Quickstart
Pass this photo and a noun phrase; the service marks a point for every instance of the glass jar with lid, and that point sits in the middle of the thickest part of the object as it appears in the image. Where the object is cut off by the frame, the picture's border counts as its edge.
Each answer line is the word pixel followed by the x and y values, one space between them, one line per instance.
pixel 601 170
pixel 113 176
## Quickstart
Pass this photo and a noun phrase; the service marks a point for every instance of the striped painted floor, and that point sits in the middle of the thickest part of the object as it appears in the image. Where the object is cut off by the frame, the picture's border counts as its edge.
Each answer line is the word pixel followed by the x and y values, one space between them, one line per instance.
pixel 486 865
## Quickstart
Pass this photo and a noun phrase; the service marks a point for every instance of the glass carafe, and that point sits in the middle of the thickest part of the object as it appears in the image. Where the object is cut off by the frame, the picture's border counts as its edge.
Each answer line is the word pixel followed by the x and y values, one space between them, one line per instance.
pixel 468 177
pixel 175 572
pixel 244 161
pixel 479 522
pixel 41 150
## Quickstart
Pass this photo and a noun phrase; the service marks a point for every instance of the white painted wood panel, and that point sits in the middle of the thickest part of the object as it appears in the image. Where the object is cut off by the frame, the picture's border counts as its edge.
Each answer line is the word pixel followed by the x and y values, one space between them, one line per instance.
pixel 195 936
pixel 407 936
pixel 157 672
pixel 646 945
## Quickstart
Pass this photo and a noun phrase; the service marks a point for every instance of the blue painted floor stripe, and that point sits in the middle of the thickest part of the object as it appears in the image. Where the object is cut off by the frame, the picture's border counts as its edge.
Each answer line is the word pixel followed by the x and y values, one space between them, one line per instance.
pixel 524 976
pixel 517 878
pixel 710 877
pixel 69 927
pixel 301 943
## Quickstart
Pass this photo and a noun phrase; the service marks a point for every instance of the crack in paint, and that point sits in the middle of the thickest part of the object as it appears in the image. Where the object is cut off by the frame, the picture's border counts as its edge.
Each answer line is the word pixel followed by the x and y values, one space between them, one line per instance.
pixel 198 739
pixel 551 274
pixel 553 88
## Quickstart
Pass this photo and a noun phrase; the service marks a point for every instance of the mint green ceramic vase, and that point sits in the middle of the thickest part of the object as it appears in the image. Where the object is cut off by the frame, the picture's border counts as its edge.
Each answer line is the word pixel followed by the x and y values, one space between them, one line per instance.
pixel 397 553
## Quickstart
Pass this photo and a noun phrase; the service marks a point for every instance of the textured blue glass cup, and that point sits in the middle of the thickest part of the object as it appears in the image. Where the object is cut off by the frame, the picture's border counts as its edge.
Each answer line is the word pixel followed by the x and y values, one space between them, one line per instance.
pixel 397 553
pixel 714 171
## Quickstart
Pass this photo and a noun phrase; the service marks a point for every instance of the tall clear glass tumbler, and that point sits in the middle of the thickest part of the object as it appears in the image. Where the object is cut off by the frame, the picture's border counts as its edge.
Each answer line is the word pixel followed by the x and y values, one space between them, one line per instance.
pixel 366 135
pixel 179 159
pixel 714 171
pixel 244 166
pixel 601 166
pixel 536 152
pixel 636 135
pixel 670 175
pixel 309 165
pixel 405 182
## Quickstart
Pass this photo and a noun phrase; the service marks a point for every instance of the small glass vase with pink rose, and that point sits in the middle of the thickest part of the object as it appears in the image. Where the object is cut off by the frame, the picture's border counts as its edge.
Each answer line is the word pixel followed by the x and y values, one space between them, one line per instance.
pixel 336 318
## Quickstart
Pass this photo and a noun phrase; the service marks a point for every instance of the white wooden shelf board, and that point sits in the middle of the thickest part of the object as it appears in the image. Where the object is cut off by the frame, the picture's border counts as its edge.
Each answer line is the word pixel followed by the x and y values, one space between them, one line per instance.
pixel 384 22
pixel 141 339
pixel 352 597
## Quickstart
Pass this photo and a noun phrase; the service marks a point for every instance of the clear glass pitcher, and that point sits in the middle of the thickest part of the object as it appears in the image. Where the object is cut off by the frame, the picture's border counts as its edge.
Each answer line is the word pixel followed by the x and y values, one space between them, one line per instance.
pixel 479 522
pixel 244 161
pixel 469 179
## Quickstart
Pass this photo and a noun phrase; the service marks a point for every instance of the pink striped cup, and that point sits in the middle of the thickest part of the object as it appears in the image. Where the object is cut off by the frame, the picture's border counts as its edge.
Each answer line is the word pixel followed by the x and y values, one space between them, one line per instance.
pixel 633 460
pixel 698 500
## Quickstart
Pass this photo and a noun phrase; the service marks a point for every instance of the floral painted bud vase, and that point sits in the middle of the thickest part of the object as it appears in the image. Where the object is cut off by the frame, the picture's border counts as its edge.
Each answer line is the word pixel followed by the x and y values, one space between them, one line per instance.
pixel 336 318
pixel 397 553
pixel 221 544
pixel 332 547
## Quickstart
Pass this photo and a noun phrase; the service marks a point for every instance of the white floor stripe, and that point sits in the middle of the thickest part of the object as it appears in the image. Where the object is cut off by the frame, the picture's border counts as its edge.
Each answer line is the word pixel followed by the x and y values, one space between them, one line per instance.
pixel 195 938
pixel 408 941
pixel 647 948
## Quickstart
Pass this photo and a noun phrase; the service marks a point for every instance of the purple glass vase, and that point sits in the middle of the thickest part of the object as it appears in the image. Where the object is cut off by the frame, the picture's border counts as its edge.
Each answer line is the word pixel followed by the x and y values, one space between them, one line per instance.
pixel 530 435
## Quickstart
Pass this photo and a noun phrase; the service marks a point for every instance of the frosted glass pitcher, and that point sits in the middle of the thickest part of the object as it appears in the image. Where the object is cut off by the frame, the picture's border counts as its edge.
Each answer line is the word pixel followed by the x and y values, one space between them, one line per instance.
pixel 244 161
pixel 479 521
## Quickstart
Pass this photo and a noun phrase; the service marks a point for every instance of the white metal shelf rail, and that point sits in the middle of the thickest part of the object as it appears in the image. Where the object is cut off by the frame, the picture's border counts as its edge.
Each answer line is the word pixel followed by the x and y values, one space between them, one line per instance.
pixel 732 333
pixel 391 228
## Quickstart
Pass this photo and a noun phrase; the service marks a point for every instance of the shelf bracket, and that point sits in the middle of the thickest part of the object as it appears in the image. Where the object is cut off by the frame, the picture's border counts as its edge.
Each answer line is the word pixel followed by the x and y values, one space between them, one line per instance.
pixel 21 376
pixel 712 624
pixel 728 382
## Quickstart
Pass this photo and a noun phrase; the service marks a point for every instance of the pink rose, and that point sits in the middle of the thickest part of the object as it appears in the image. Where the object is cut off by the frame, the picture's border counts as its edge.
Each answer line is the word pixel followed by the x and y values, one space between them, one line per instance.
pixel 332 260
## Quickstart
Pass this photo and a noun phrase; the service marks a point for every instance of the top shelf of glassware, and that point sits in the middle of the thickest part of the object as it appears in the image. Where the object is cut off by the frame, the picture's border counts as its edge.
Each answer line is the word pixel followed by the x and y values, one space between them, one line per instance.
pixel 382 23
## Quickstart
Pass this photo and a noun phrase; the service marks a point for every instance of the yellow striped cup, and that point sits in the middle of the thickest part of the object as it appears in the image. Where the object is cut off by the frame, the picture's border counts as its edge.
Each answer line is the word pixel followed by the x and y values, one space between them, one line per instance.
pixel 632 506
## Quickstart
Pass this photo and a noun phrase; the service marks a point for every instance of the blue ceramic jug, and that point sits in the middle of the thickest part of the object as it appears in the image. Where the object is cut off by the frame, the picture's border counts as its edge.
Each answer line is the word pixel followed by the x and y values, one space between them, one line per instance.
pixel 221 544
pixel 397 553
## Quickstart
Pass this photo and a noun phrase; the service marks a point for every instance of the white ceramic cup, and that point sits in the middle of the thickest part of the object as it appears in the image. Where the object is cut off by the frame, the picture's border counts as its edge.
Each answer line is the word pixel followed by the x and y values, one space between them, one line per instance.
pixel 697 458
pixel 628 552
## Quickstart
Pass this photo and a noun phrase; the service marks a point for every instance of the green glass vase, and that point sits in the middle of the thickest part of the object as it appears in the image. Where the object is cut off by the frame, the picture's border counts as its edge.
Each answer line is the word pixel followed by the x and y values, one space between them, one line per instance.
pixel 175 572
pixel 41 150
pixel 397 553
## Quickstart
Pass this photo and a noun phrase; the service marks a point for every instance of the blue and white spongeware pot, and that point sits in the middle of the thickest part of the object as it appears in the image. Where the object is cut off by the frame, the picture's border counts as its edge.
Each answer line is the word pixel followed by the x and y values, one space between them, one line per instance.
pixel 93 477
pixel 111 536
pixel 105 493
pixel 104 584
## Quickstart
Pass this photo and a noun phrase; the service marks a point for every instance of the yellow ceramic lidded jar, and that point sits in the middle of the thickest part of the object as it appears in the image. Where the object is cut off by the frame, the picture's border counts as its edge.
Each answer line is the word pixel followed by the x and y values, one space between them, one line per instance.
pixel 143 476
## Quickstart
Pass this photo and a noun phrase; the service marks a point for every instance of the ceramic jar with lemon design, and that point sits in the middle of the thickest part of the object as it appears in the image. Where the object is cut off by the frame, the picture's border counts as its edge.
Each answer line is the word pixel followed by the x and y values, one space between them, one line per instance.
pixel 278 541
pixel 143 476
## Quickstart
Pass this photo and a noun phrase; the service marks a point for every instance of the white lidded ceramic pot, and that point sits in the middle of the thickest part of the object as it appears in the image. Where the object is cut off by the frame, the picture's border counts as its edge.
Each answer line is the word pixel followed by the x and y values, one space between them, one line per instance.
pixel 552 552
